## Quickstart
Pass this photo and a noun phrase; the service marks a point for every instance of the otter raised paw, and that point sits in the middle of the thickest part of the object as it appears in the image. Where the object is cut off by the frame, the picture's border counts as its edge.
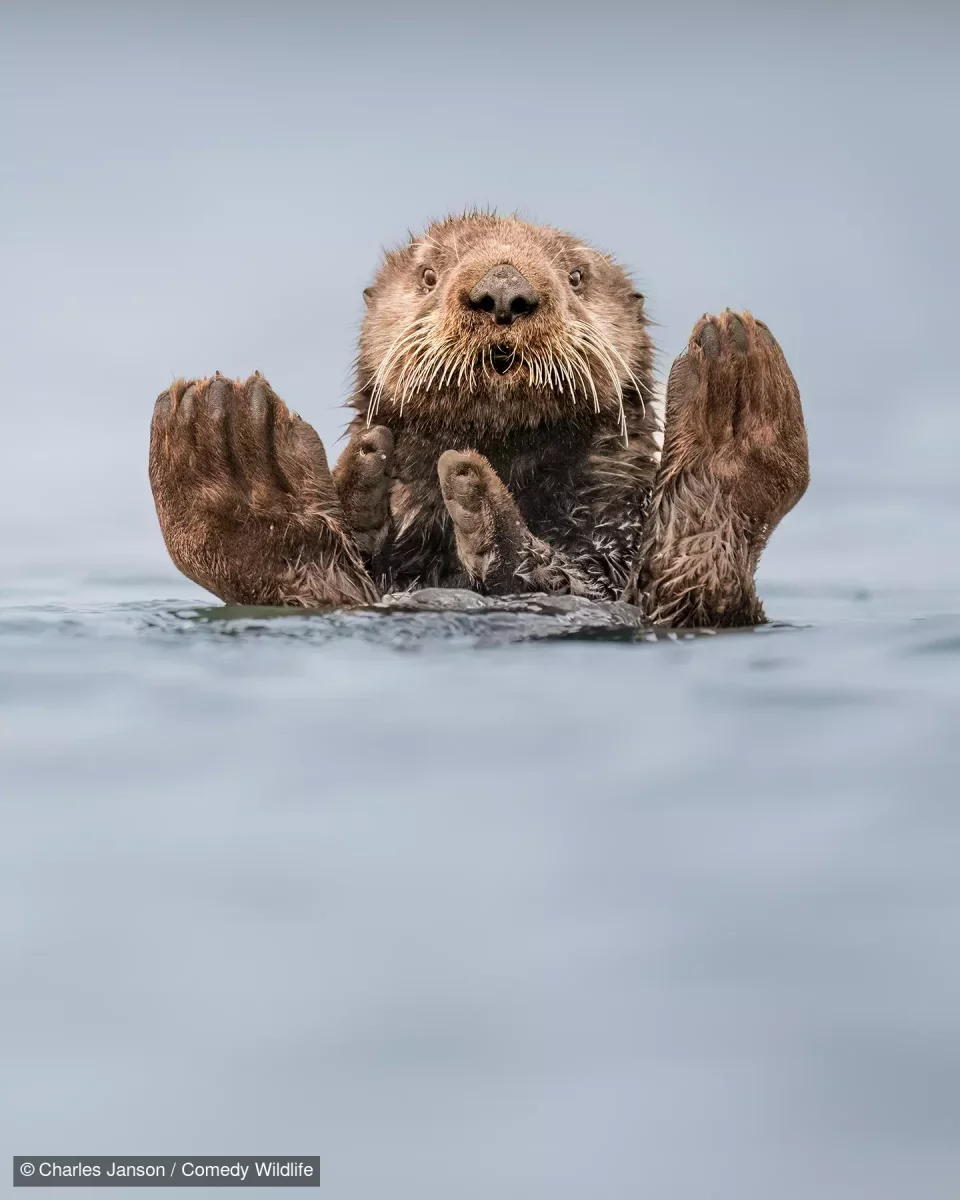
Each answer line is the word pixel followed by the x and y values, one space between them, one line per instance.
pixel 363 477
pixel 496 549
pixel 246 502
pixel 734 463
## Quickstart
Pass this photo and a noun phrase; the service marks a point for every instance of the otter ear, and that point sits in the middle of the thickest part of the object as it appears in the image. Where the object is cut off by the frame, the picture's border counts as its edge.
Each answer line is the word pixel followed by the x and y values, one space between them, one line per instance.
pixel 639 297
pixel 367 296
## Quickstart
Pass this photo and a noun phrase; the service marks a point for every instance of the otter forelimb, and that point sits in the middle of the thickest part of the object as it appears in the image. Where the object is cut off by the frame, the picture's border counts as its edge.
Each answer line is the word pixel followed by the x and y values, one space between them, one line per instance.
pixel 734 463
pixel 247 505
pixel 496 549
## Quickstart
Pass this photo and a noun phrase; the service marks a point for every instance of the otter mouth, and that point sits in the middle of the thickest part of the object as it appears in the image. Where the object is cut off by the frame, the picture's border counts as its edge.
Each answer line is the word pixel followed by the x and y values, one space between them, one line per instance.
pixel 504 359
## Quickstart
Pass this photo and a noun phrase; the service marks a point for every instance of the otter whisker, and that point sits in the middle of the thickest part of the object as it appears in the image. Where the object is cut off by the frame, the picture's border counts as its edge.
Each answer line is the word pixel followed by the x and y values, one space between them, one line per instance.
pixel 544 377
pixel 582 362
pixel 404 346
pixel 447 376
pixel 399 383
pixel 611 348
pixel 596 253
pixel 568 369
pixel 465 365
pixel 410 377
pixel 429 241
pixel 599 348
pixel 611 370
pixel 583 370
pixel 402 385
pixel 605 352
pixel 432 362
pixel 640 387
pixel 547 356
pixel 567 381
pixel 555 375
pixel 409 336
pixel 565 373
pixel 441 356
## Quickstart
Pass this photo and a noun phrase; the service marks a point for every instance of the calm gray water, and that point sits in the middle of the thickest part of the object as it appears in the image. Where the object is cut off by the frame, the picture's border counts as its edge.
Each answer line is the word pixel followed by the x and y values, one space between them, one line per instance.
pixel 463 916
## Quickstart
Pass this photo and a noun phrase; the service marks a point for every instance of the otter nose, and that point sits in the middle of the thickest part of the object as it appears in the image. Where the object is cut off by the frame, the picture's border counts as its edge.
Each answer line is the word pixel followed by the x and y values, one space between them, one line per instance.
pixel 505 294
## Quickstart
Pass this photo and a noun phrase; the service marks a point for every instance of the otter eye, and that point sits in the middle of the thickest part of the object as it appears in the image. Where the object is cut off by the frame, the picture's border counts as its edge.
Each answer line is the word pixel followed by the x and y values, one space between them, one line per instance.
pixel 429 277
pixel 576 278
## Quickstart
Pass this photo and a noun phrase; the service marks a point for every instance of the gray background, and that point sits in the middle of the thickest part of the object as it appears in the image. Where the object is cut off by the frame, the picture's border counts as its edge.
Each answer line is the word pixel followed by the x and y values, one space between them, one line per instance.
pixel 556 921
pixel 186 189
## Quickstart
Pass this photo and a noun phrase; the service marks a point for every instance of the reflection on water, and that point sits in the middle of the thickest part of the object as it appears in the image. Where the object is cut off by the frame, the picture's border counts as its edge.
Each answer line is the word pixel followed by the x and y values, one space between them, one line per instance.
pixel 559 918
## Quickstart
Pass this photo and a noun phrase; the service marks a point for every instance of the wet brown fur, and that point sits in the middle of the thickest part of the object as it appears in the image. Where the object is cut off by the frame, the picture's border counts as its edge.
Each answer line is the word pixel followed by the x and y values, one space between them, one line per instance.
pixel 547 477
pixel 246 503
pixel 734 463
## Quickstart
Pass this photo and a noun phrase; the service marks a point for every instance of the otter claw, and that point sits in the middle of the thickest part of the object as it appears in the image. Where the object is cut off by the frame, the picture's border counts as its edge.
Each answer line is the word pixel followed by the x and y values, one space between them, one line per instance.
pixel 736 331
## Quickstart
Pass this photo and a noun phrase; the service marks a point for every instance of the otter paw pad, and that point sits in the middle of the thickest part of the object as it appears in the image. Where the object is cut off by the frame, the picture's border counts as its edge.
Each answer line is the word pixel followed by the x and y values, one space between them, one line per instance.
pixel 471 492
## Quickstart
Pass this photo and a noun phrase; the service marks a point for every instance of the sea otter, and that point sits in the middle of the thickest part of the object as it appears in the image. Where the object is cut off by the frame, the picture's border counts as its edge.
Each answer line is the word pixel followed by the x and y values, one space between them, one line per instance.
pixel 507 438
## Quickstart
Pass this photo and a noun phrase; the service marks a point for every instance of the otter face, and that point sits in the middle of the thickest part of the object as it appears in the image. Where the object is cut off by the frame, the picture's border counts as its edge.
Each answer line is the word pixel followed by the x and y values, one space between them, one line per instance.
pixel 493 323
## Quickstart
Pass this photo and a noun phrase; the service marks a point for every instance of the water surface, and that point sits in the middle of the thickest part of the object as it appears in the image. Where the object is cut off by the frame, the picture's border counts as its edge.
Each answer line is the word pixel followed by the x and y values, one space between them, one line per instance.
pixel 472 917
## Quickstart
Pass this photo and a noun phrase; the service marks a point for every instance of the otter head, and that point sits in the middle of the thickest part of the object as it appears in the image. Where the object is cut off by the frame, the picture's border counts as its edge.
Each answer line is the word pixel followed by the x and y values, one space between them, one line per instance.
pixel 488 323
